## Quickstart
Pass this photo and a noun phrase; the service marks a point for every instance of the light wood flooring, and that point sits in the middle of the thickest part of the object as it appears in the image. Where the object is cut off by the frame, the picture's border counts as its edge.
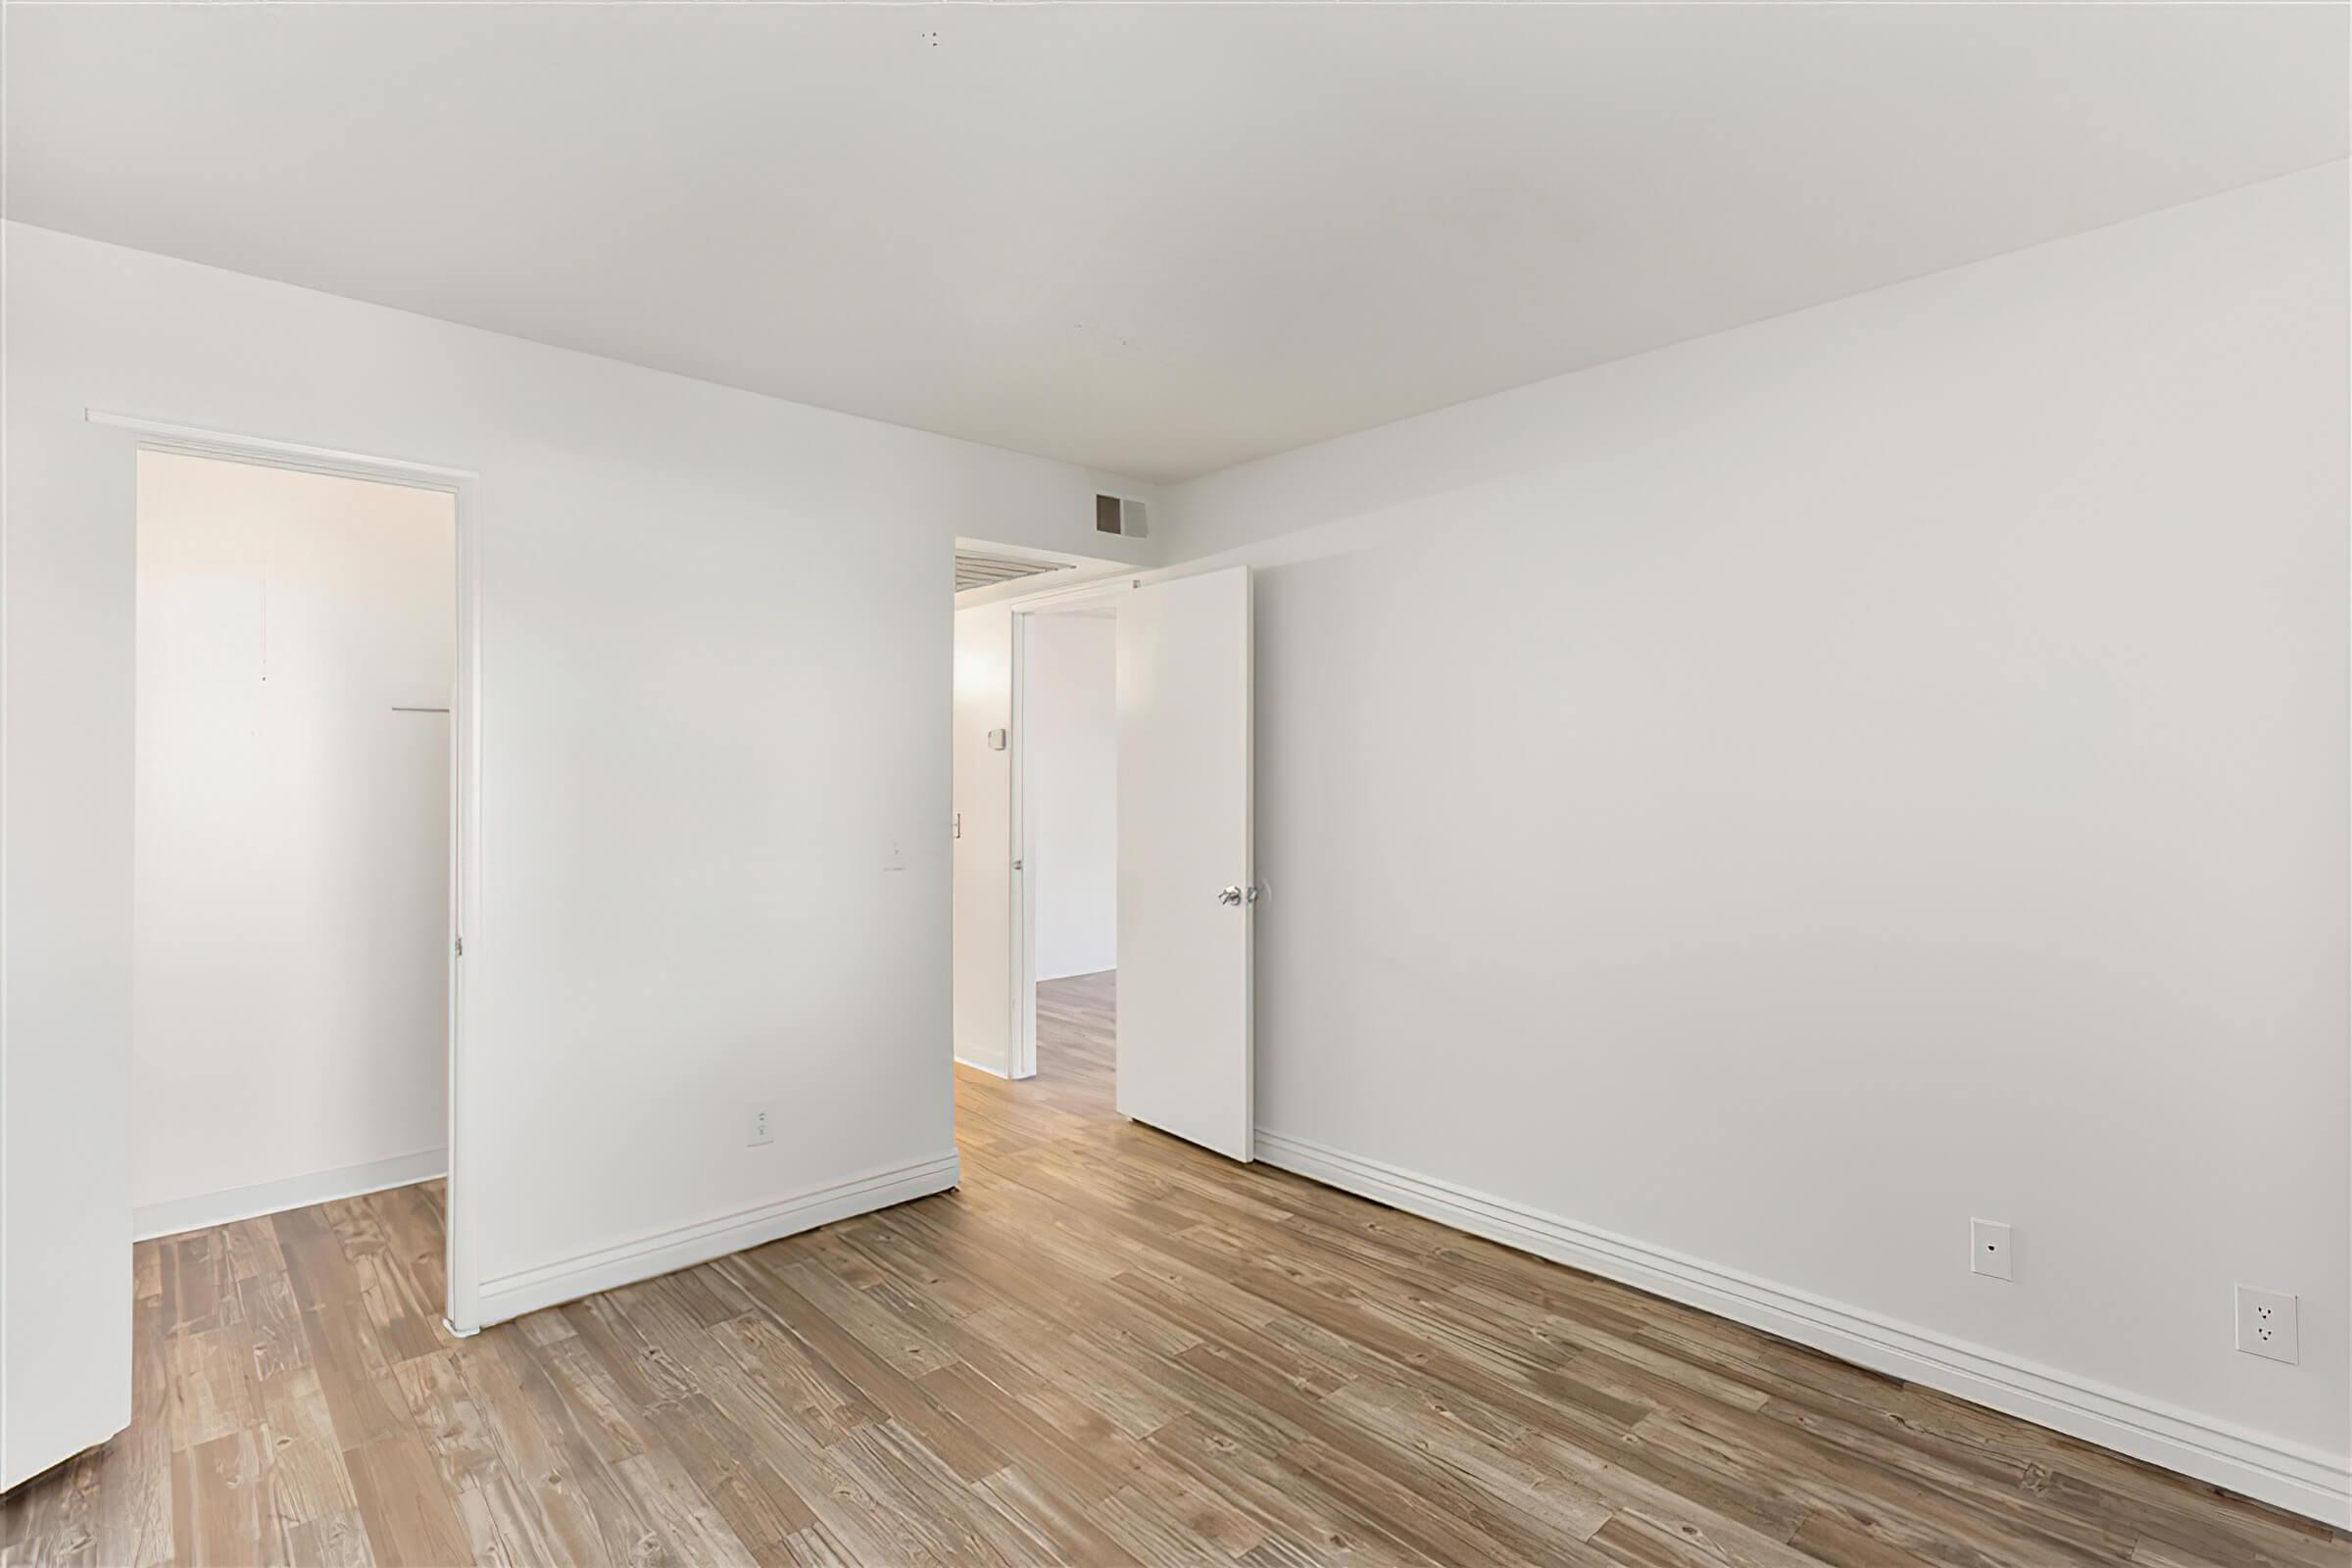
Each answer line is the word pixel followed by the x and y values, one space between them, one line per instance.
pixel 1107 1348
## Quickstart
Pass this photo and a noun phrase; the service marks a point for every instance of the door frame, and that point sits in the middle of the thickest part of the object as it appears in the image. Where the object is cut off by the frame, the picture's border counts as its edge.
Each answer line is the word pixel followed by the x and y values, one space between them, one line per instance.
pixel 463 1279
pixel 1020 1038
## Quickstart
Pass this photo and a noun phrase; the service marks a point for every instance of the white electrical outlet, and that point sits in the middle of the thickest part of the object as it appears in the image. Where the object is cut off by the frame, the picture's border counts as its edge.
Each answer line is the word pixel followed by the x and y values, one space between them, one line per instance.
pixel 1989 1248
pixel 764 1129
pixel 2265 1324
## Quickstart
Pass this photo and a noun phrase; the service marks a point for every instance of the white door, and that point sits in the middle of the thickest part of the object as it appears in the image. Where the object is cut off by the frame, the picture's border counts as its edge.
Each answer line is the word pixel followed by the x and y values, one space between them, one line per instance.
pixel 1185 881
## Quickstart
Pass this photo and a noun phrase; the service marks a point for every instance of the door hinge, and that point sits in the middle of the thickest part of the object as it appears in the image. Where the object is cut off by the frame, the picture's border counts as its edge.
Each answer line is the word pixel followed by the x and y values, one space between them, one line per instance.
pixel 460 947
pixel 1016 865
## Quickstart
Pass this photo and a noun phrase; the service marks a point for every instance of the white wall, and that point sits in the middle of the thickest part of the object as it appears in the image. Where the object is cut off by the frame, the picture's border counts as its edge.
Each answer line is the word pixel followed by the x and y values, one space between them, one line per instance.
pixel 714 673
pixel 290 914
pixel 1749 808
pixel 1071 778
pixel 983 865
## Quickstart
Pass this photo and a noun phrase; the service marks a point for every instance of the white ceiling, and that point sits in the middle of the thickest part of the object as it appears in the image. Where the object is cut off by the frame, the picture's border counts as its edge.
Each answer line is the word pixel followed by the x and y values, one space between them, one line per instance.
pixel 1159 240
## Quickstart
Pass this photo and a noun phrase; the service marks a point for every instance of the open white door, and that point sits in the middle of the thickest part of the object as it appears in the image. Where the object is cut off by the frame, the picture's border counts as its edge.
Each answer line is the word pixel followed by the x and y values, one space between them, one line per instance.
pixel 1185 882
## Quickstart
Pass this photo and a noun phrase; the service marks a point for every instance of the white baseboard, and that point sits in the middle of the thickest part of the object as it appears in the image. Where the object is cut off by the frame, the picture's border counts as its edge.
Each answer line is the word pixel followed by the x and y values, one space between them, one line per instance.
pixel 982 1066
pixel 207 1210
pixel 2291 1476
pixel 666 1251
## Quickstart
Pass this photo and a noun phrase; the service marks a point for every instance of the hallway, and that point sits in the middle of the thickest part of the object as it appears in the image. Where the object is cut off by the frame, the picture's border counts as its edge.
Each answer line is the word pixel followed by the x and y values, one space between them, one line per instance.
pixel 1106 1347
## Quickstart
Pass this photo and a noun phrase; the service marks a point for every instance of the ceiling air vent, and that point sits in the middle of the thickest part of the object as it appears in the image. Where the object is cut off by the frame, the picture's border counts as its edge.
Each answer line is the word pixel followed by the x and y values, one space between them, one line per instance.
pixel 977 570
pixel 1115 515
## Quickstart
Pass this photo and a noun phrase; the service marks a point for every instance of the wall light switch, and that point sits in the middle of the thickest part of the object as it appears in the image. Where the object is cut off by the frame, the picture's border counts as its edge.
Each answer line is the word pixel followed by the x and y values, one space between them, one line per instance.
pixel 1989 1248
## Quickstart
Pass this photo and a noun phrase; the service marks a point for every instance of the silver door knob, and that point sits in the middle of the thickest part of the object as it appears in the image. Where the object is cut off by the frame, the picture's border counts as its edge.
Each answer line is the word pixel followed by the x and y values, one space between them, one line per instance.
pixel 1230 896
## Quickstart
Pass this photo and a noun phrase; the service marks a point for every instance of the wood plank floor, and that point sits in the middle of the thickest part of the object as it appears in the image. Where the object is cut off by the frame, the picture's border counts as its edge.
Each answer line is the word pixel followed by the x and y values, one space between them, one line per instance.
pixel 1107 1348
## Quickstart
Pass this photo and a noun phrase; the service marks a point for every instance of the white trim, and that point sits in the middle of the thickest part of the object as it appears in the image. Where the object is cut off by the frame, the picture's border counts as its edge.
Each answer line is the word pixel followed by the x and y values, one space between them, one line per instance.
pixel 207 1210
pixel 981 1066
pixel 1082 571
pixel 1249 861
pixel 1069 596
pixel 2289 1475
pixel 664 1252
pixel 1107 590
pixel 164 436
pixel 460 1260
pixel 460 1270
pixel 1021 1036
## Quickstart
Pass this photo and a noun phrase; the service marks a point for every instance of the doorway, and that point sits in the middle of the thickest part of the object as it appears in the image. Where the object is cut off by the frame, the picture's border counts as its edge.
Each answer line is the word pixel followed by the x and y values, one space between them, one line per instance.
pixel 1065 795
pixel 1035 809
pixel 1103 768
pixel 301 743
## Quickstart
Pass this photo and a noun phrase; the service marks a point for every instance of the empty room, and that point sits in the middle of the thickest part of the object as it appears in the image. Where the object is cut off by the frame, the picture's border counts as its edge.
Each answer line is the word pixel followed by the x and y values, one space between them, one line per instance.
pixel 1099 784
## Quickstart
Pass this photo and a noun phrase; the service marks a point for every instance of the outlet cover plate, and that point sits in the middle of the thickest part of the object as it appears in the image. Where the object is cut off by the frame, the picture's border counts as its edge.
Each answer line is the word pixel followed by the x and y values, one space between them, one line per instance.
pixel 763 1129
pixel 2266 1325
pixel 1989 1248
